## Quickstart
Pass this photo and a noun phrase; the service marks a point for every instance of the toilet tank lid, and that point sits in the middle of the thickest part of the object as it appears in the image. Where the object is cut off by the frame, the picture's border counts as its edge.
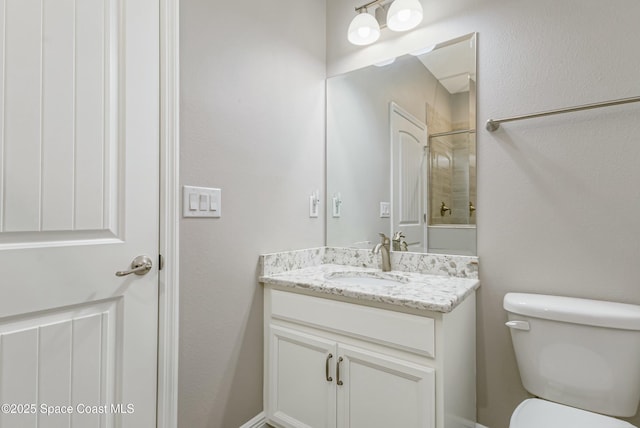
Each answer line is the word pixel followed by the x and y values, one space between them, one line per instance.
pixel 574 310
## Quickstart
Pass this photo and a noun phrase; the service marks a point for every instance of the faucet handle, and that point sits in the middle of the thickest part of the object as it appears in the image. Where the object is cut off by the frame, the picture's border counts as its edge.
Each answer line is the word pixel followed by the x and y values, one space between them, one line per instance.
pixel 444 208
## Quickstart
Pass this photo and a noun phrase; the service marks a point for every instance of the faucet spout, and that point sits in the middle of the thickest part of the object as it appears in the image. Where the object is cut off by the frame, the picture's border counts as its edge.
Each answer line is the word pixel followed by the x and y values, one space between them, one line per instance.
pixel 383 247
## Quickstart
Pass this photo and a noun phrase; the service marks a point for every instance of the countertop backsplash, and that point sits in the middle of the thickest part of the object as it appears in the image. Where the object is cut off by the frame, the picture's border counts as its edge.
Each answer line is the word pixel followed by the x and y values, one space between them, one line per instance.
pixel 434 264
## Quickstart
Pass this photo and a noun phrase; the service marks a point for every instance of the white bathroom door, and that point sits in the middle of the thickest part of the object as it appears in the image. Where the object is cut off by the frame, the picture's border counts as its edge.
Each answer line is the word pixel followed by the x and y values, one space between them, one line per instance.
pixel 409 177
pixel 79 147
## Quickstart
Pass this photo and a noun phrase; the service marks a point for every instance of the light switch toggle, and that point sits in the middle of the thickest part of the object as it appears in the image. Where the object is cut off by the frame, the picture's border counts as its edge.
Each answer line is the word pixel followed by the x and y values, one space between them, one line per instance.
pixel 204 202
pixel 193 202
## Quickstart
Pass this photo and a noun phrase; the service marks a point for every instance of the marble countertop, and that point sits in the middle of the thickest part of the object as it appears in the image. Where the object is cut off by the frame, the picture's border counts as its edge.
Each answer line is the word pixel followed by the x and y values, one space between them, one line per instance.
pixel 412 290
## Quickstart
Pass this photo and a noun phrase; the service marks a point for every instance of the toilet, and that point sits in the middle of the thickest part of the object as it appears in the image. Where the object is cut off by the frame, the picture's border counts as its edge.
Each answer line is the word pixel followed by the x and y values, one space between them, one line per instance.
pixel 580 358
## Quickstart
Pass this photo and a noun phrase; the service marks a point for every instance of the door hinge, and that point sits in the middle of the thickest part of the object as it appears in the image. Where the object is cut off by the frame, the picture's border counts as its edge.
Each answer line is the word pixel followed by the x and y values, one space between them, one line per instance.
pixel 160 261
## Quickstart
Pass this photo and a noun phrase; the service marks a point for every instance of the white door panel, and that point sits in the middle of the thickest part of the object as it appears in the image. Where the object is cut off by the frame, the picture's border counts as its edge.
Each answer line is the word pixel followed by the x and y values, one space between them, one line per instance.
pixel 409 173
pixel 299 392
pixel 60 104
pixel 73 353
pixel 379 391
pixel 78 201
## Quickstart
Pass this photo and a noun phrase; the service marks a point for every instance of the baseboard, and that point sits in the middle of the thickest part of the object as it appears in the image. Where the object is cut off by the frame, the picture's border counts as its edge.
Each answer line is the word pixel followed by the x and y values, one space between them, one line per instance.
pixel 259 421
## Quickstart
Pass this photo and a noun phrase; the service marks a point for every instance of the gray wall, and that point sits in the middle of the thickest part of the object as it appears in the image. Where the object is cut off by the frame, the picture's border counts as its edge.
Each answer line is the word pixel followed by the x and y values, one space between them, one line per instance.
pixel 558 198
pixel 358 143
pixel 252 123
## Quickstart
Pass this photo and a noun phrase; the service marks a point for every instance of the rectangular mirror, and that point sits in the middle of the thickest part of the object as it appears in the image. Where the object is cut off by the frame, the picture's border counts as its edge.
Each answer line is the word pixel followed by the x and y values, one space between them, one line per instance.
pixel 401 152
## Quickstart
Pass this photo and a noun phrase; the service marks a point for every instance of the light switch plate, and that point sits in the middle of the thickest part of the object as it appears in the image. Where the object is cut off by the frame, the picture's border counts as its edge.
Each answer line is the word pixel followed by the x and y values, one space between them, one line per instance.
pixel 385 209
pixel 314 206
pixel 336 203
pixel 201 202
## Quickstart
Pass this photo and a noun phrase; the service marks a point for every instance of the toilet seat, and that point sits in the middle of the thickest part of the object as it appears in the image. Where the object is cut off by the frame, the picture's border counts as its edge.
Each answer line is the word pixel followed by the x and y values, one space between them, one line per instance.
pixel 537 413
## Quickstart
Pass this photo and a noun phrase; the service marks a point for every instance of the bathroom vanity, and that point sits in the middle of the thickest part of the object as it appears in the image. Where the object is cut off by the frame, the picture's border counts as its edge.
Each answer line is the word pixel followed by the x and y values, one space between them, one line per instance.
pixel 349 346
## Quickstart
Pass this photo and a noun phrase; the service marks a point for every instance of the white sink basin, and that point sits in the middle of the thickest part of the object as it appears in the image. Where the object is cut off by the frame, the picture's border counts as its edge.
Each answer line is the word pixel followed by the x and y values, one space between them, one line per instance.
pixel 367 278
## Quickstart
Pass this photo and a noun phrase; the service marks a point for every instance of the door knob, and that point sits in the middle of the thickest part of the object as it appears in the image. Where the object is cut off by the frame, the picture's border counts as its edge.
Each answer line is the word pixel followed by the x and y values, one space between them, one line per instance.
pixel 140 265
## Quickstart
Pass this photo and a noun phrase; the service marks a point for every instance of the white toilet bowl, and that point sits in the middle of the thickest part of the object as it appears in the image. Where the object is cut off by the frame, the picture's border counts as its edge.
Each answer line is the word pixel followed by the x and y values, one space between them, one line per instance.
pixel 536 413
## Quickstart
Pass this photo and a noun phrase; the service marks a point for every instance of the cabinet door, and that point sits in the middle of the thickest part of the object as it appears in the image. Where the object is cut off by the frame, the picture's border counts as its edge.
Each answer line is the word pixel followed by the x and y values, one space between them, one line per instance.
pixel 299 392
pixel 379 391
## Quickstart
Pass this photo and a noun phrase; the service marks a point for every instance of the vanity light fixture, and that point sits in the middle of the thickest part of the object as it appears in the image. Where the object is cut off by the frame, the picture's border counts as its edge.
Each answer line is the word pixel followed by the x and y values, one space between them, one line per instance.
pixel 397 15
pixel 364 29
pixel 404 15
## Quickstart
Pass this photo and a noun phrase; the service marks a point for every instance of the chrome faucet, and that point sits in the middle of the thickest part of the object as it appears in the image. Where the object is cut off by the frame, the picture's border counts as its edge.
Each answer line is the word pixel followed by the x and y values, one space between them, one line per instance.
pixel 383 248
pixel 398 242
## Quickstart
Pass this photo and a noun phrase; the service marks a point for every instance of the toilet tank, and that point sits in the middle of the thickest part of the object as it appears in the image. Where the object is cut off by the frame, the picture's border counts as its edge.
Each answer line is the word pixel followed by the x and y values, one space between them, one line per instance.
pixel 578 352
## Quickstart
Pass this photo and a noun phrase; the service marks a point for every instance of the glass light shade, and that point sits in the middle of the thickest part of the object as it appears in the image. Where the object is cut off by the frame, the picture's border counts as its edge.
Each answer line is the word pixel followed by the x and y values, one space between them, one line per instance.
pixel 363 30
pixel 404 15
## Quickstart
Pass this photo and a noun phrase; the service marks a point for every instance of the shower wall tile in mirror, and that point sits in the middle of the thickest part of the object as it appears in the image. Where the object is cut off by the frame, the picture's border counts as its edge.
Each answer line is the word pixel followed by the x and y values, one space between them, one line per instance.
pixel 370 113
pixel 452 161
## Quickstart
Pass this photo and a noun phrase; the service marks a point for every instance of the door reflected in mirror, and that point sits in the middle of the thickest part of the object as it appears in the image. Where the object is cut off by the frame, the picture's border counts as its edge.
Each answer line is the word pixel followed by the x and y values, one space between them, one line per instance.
pixel 401 152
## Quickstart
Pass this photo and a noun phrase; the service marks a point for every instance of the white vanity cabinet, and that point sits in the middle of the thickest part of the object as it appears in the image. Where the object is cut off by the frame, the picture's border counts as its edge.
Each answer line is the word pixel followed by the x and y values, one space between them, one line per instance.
pixel 331 363
pixel 358 387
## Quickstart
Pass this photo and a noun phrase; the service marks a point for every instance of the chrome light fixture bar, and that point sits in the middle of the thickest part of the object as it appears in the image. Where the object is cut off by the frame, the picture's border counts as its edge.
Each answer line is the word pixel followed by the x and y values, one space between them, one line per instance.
pixel 397 15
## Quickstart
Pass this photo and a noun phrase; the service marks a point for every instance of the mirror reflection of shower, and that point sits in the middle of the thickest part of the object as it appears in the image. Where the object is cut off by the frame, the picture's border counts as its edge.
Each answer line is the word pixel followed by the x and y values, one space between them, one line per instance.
pixel 389 189
pixel 452 170
pixel 452 152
